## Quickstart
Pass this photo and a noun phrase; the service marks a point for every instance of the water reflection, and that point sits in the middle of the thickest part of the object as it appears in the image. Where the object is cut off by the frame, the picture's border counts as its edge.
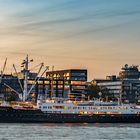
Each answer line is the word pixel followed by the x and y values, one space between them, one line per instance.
pixel 69 131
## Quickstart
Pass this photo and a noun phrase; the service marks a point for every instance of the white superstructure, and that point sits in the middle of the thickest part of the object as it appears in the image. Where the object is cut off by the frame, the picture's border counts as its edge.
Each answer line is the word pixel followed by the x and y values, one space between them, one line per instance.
pixel 86 107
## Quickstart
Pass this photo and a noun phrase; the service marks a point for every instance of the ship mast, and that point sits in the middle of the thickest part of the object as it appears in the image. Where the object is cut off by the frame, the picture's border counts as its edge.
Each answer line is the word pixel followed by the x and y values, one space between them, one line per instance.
pixel 52 80
pixel 26 73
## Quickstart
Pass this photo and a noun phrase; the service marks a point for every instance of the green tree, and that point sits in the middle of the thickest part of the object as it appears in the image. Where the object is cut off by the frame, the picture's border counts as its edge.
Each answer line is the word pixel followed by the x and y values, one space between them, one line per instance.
pixel 106 95
pixel 94 91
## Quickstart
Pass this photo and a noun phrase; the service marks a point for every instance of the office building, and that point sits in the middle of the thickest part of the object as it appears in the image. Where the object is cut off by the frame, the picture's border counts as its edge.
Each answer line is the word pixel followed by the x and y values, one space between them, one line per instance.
pixel 127 84
pixel 67 83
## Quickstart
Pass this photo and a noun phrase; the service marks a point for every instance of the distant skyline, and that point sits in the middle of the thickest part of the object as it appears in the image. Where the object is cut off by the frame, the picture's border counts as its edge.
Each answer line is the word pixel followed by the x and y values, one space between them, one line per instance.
pixel 99 35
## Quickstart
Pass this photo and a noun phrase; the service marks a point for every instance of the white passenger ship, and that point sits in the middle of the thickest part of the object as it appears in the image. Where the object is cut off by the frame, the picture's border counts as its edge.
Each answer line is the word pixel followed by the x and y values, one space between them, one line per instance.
pixel 86 107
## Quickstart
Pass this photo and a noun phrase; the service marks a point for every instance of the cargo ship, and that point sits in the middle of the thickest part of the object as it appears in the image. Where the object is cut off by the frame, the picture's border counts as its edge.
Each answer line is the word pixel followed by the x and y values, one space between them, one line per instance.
pixel 61 110
pixel 66 111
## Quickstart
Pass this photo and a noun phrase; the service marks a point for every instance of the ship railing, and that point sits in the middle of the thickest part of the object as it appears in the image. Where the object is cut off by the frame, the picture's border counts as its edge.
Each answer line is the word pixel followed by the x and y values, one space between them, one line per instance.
pixel 57 100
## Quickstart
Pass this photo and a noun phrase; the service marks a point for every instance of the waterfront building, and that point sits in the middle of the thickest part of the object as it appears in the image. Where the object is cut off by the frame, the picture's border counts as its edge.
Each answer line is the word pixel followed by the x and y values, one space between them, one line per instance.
pixel 114 86
pixel 127 84
pixel 64 83
pixel 129 72
pixel 67 83
pixel 9 86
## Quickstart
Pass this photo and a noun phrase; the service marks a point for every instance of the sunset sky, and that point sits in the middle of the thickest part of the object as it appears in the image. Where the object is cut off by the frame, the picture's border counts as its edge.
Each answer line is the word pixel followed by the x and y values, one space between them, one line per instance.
pixel 99 35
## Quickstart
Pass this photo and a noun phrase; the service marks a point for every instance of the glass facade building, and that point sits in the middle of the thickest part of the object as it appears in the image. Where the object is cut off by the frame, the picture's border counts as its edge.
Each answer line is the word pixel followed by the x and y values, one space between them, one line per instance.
pixel 64 83
pixel 67 83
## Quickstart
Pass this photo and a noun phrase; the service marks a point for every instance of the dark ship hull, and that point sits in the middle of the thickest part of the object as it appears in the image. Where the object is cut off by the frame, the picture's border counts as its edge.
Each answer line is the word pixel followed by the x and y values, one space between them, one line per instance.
pixel 10 115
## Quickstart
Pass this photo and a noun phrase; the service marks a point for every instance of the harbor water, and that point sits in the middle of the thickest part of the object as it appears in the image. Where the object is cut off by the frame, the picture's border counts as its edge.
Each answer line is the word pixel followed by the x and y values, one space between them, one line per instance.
pixel 69 131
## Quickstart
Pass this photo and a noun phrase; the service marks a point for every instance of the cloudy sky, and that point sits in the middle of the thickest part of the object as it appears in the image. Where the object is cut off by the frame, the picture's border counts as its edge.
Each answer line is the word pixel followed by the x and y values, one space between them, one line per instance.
pixel 99 35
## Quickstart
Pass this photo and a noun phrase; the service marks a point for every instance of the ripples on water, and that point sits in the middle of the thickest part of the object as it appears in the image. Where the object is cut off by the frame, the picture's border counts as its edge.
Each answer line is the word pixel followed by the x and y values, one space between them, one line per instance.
pixel 69 131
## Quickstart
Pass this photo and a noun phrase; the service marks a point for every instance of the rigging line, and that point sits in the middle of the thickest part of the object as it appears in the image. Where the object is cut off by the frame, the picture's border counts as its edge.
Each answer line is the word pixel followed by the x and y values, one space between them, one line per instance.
pixel 35 66
pixel 2 72
pixel 38 79
pixel 18 78
pixel 11 88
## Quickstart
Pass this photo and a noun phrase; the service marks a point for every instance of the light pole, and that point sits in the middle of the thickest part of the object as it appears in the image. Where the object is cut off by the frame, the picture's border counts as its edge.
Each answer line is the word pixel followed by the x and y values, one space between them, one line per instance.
pixel 100 94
